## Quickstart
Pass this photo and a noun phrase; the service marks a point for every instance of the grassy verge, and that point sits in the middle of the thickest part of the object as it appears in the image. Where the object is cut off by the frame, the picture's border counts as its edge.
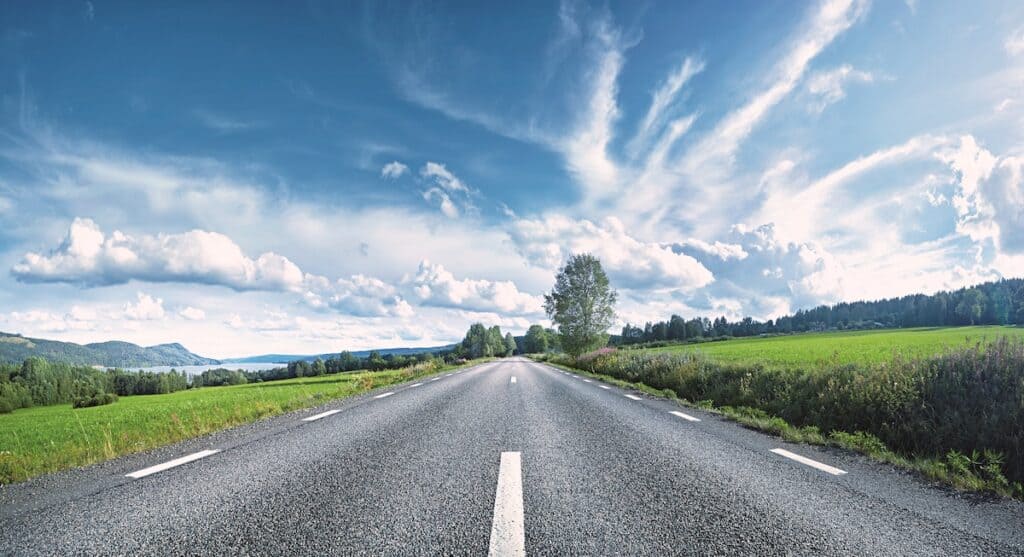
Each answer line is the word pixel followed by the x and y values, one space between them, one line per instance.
pixel 977 471
pixel 44 439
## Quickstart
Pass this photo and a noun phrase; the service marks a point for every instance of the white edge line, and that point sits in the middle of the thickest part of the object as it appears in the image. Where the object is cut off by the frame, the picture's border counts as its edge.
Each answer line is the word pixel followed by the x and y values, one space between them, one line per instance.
pixel 586 380
pixel 415 385
pixel 812 463
pixel 382 395
pixel 436 378
pixel 171 464
pixel 604 386
pixel 320 415
pixel 686 417
pixel 507 528
pixel 632 397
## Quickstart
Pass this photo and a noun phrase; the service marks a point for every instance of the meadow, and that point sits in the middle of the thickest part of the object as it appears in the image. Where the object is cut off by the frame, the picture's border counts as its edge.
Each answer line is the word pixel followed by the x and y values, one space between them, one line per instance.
pixel 45 439
pixel 845 347
pixel 946 402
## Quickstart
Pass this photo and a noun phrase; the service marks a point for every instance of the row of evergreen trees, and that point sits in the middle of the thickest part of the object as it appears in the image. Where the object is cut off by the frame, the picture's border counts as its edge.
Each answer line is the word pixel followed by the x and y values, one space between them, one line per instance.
pixel 39 382
pixel 991 303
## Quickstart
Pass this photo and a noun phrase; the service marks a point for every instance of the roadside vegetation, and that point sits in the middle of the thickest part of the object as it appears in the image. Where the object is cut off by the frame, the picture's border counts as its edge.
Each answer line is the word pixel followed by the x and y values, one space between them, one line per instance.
pixel 955 415
pixel 49 438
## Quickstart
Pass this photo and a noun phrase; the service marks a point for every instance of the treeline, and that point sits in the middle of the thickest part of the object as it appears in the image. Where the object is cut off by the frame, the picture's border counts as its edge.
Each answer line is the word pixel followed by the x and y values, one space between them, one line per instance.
pixel 991 303
pixel 38 382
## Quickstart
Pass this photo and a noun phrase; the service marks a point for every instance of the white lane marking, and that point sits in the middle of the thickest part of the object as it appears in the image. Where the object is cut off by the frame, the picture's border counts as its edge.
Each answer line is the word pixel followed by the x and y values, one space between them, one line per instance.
pixel 171 463
pixel 686 417
pixel 812 463
pixel 507 533
pixel 382 395
pixel 436 378
pixel 586 380
pixel 320 415
pixel 415 385
pixel 513 381
pixel 632 397
pixel 604 386
pixel 449 375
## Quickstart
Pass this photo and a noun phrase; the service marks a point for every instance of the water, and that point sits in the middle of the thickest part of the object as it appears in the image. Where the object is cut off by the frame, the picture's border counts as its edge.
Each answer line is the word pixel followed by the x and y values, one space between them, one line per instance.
pixel 196 370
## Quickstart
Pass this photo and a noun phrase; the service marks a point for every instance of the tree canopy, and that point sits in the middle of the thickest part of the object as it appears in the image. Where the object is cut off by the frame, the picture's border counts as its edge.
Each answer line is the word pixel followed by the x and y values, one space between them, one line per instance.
pixel 582 304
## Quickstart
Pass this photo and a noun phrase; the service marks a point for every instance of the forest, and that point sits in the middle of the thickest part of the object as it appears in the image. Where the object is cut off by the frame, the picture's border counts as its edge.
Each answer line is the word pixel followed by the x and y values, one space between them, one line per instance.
pixel 991 303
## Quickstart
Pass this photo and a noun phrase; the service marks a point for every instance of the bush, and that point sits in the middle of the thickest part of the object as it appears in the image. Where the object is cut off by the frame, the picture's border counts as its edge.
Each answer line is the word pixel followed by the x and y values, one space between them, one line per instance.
pixel 969 401
pixel 98 399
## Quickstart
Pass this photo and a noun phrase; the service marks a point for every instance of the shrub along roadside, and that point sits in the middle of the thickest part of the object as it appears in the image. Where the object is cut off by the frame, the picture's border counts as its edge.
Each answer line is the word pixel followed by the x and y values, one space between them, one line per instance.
pixel 956 417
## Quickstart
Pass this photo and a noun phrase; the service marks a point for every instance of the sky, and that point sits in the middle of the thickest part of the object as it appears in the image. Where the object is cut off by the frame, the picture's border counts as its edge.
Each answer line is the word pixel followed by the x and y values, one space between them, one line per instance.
pixel 308 177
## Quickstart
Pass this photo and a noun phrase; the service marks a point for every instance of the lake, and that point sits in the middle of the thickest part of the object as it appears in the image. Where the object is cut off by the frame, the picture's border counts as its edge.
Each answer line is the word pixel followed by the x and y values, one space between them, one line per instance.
pixel 196 370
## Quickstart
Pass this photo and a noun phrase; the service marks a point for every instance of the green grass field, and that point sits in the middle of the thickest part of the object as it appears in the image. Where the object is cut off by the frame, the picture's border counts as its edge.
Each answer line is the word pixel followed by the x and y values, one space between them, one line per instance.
pixel 44 439
pixel 862 347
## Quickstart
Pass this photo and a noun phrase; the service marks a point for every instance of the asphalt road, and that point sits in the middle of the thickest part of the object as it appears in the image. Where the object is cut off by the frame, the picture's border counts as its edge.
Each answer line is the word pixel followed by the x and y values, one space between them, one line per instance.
pixel 472 463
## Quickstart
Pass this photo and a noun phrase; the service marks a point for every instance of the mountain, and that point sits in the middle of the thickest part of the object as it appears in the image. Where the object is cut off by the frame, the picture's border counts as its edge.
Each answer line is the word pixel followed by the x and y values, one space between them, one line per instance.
pixel 16 348
pixel 284 358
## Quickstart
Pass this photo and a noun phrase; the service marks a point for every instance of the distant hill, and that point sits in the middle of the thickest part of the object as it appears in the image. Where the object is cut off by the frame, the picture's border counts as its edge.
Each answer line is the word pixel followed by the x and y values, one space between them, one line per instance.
pixel 16 348
pixel 284 358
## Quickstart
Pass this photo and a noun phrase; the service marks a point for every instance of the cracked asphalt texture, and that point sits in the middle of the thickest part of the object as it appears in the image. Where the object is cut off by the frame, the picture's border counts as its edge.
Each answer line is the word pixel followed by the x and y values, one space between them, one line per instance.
pixel 415 474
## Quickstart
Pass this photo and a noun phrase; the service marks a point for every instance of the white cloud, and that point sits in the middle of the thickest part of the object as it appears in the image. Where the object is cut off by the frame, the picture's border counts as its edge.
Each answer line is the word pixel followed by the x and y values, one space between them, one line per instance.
pixel 393 170
pixel 828 86
pixel 434 285
pixel 192 314
pixel 1014 43
pixel 989 199
pixel 440 175
pixel 447 191
pixel 662 100
pixel 90 258
pixel 442 200
pixel 586 148
pixel 630 263
pixel 831 19
pixel 145 308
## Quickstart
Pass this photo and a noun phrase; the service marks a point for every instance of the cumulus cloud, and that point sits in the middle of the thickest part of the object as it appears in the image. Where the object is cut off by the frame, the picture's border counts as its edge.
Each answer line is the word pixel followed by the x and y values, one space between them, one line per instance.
pixel 433 285
pixel 446 190
pixel 989 199
pixel 828 87
pixel 393 169
pixel 145 308
pixel 630 263
pixel 771 277
pixel 192 314
pixel 88 257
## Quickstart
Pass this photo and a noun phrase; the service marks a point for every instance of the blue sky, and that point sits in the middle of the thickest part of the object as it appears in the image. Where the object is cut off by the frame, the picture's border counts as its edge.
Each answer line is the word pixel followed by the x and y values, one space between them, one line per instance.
pixel 257 178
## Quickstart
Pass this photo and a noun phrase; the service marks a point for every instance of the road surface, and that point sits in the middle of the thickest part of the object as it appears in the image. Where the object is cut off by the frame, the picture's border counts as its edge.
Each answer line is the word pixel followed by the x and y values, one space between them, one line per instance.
pixel 507 458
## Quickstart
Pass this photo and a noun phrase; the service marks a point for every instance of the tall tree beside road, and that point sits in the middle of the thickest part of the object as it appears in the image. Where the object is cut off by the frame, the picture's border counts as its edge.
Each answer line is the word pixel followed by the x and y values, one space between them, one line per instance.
pixel 582 304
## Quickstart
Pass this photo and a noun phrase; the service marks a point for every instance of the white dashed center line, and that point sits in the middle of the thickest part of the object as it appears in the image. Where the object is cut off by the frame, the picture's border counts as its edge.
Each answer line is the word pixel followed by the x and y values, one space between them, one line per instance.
pixel 604 386
pixel 507 533
pixel 316 417
pixel 436 378
pixel 586 380
pixel 415 385
pixel 513 380
pixel 171 464
pixel 812 463
pixel 686 417
pixel 632 397
pixel 382 395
